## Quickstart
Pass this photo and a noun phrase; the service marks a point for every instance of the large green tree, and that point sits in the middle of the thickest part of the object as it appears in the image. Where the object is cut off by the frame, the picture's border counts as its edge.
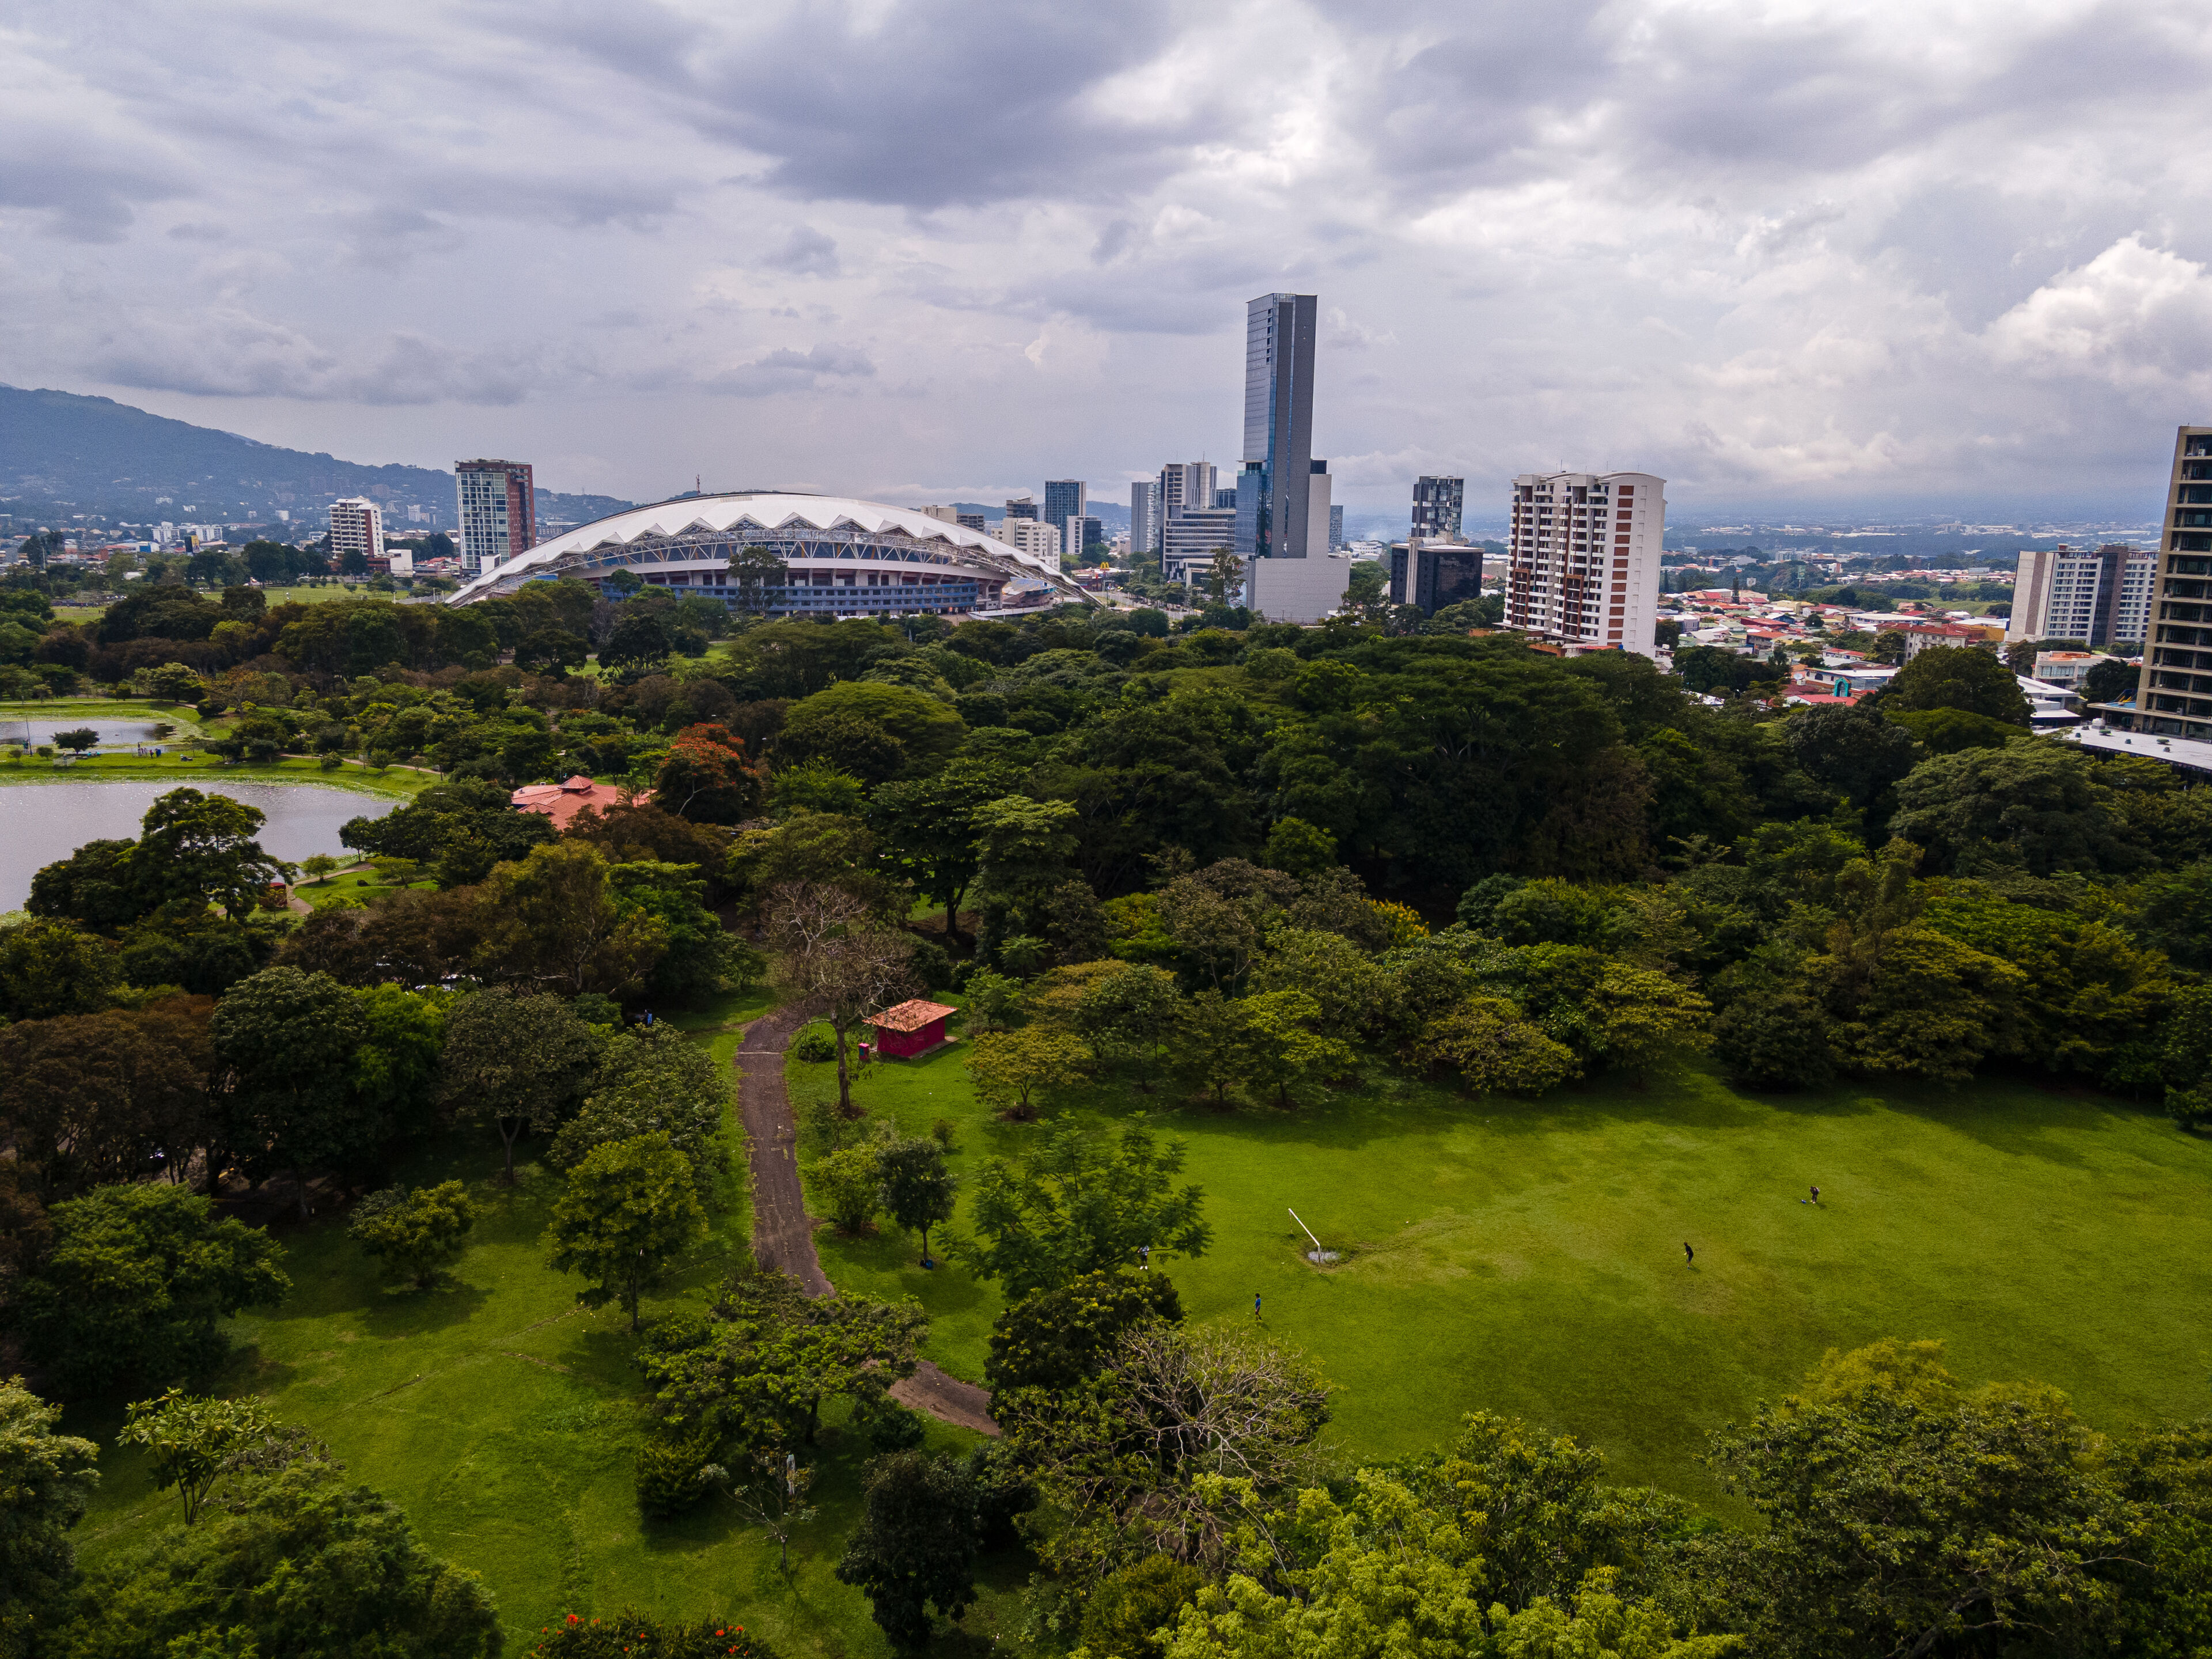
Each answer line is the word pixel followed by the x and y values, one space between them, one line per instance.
pixel 515 1061
pixel 291 1040
pixel 45 1479
pixel 1967 678
pixel 1082 1201
pixel 932 827
pixel 916 1544
pixel 631 1207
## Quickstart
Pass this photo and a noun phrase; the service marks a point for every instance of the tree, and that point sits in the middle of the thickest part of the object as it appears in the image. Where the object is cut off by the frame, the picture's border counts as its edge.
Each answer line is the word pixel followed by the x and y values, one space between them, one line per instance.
pixel 754 572
pixel 1850 748
pixel 459 828
pixel 1300 849
pixel 1643 1020
pixel 707 777
pixel 1126 1014
pixel 917 1190
pixel 629 1209
pixel 1011 1068
pixel 1283 1055
pixel 655 1081
pixel 1774 1035
pixel 516 1062
pixel 53 967
pixel 1495 1049
pixel 551 651
pixel 93 1098
pixel 838 959
pixel 46 1478
pixel 1058 1339
pixel 638 642
pixel 849 1181
pixel 552 919
pixel 1955 677
pixel 190 1439
pixel 78 740
pixel 291 1038
pixel 1080 1202
pixel 916 1544
pixel 2109 679
pixel 1024 844
pixel 417 1235
pixel 291 1565
pixel 1224 575
pixel 772 1490
pixel 97 885
pixel 136 1280
pixel 933 827
pixel 2038 803
pixel 201 847
pixel 994 999
pixel 1901 1514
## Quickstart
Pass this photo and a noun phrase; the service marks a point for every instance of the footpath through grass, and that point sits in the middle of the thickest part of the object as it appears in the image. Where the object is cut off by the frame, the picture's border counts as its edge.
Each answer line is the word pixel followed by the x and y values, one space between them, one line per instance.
pixel 1528 1257
pixel 504 1419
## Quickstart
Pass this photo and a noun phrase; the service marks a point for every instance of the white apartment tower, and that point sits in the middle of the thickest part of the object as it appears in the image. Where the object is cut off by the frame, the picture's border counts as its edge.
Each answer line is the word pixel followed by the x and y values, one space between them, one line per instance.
pixel 2099 598
pixel 1582 558
pixel 356 527
pixel 1033 536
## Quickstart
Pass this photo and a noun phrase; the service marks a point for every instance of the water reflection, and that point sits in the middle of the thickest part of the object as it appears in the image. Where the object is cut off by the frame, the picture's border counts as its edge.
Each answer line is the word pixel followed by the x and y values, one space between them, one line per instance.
pixel 43 823
pixel 113 733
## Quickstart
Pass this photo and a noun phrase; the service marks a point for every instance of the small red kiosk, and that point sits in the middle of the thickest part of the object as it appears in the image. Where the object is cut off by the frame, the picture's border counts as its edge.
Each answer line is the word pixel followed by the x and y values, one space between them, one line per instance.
pixel 910 1029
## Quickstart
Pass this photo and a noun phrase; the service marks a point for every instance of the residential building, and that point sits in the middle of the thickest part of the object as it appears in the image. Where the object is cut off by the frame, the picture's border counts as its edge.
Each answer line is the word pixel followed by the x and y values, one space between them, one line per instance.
pixel 1066 499
pixel 1145 517
pixel 1186 484
pixel 356 527
pixel 1432 574
pixel 2066 669
pixel 1083 532
pixel 1032 535
pixel 498 504
pixel 2174 696
pixel 942 514
pixel 1436 506
pixel 2099 598
pixel 969 521
pixel 1582 558
pixel 1192 537
pixel 1022 507
pixel 1274 488
pixel 1336 529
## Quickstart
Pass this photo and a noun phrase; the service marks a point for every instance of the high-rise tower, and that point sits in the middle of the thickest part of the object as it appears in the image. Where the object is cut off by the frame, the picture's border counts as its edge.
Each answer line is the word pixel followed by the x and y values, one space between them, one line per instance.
pixel 2174 696
pixel 1437 503
pixel 1584 558
pixel 499 513
pixel 1274 489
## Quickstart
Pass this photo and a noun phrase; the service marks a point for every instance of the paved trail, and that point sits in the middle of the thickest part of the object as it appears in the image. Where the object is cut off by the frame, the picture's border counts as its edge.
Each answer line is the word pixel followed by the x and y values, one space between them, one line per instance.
pixel 783 1233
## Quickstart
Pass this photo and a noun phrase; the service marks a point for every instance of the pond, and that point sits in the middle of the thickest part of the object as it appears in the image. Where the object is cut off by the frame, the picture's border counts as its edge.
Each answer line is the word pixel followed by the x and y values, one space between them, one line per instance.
pixel 114 733
pixel 41 823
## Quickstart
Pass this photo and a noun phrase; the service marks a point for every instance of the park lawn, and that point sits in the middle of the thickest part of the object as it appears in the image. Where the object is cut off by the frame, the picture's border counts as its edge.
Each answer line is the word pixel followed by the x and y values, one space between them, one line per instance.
pixel 503 1418
pixel 182 715
pixel 1527 1257
pixel 397 783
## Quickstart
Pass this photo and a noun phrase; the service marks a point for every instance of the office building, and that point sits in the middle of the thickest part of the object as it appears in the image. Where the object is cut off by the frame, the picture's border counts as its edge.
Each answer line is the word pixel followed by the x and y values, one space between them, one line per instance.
pixel 1432 574
pixel 1186 484
pixel 1191 538
pixel 969 521
pixel 1066 499
pixel 1582 559
pixel 1084 532
pixel 499 513
pixel 2099 598
pixel 356 527
pixel 1022 507
pixel 1437 503
pixel 1274 486
pixel 1032 536
pixel 2174 696
pixel 1225 497
pixel 1336 529
pixel 1145 518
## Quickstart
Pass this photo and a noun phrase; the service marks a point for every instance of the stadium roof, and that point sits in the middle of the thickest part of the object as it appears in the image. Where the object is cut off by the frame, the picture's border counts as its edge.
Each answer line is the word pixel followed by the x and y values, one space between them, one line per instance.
pixel 773 514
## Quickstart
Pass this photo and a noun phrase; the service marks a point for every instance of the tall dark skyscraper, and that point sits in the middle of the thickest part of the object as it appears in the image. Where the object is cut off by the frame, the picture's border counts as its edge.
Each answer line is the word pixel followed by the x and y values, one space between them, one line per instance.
pixel 1275 485
pixel 1436 504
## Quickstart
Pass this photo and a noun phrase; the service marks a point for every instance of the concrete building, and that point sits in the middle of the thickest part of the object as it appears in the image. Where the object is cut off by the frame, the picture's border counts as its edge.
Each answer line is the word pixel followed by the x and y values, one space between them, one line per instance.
pixel 2099 598
pixel 1432 574
pixel 969 521
pixel 356 527
pixel 1191 536
pixel 1145 517
pixel 1296 590
pixel 1274 488
pixel 942 514
pixel 1336 529
pixel 1436 507
pixel 2174 696
pixel 1582 558
pixel 1022 507
pixel 1032 536
pixel 1085 532
pixel 1319 509
pixel 1185 484
pixel 1066 499
pixel 498 503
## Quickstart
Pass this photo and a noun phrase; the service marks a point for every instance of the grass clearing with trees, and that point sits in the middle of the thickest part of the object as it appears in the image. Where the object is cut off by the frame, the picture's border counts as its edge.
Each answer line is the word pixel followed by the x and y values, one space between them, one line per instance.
pixel 1527 1257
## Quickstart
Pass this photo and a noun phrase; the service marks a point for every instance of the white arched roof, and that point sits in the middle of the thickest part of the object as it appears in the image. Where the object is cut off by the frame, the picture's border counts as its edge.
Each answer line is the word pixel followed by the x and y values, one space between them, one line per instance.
pixel 769 513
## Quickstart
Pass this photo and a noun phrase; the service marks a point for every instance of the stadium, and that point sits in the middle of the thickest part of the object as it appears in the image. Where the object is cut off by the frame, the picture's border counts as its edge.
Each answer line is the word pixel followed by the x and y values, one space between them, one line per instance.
pixel 841 557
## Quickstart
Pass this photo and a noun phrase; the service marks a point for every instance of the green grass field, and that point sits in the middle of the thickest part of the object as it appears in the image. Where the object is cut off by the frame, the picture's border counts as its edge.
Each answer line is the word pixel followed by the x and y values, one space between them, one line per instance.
pixel 396 782
pixel 1528 1257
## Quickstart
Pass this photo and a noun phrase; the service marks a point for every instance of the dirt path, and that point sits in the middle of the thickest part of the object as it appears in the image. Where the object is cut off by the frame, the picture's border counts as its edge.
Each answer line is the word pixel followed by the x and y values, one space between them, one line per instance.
pixel 783 1233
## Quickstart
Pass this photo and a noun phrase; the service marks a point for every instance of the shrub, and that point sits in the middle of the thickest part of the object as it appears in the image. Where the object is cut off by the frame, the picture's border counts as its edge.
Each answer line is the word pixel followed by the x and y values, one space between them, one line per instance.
pixel 675 1471
pixel 632 1634
pixel 416 1236
pixel 815 1045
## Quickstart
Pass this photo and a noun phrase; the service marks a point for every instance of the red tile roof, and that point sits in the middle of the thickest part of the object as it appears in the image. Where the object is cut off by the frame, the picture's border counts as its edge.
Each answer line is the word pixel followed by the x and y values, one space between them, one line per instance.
pixel 911 1015
pixel 562 801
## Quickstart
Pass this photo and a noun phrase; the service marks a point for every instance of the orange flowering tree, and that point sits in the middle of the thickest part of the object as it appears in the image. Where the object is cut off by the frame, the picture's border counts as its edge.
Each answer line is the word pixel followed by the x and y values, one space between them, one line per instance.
pixel 707 777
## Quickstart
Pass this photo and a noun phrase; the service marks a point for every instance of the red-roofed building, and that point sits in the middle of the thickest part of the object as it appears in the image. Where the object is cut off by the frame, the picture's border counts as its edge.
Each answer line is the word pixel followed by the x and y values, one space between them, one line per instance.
pixel 562 801
pixel 911 1028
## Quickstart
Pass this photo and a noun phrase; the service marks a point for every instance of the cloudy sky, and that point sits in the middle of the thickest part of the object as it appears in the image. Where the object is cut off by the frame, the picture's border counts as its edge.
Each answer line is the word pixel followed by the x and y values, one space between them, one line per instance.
pixel 1792 256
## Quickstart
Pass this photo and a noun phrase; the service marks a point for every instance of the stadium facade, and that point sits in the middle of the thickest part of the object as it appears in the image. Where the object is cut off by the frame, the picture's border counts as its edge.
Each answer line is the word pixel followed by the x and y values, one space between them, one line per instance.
pixel 840 557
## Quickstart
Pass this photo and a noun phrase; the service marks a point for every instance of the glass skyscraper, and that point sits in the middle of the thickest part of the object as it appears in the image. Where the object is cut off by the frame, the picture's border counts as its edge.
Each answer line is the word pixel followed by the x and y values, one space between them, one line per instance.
pixel 1273 488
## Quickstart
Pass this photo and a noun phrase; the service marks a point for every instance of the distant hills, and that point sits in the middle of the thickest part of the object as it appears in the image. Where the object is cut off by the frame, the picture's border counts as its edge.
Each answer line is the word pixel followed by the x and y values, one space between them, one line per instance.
pixel 62 455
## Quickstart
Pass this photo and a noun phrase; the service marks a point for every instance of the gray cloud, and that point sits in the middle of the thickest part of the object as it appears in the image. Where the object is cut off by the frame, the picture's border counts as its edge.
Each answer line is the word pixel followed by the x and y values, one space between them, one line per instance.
pixel 786 370
pixel 805 253
pixel 233 353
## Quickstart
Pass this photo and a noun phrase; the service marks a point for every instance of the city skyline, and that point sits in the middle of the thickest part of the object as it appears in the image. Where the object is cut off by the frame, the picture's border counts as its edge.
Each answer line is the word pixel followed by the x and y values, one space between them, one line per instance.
pixel 1692 249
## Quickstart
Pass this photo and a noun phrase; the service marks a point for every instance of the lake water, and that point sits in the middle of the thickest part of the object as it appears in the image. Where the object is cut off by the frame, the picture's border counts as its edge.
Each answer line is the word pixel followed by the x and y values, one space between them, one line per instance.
pixel 41 823
pixel 113 733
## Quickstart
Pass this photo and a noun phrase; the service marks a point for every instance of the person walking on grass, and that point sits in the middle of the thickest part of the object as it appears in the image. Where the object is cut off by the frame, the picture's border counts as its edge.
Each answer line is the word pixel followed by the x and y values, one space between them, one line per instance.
pixel 1815 1200
pixel 1689 1255
pixel 1255 1304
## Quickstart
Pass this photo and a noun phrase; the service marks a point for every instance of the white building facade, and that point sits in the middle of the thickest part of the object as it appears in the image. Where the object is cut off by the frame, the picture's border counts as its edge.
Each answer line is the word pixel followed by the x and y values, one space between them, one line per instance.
pixel 356 527
pixel 1582 559
pixel 1033 536
pixel 2067 593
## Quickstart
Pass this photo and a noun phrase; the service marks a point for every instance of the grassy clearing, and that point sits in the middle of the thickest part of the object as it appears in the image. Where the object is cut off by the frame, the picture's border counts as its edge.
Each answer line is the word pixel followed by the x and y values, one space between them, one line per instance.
pixel 503 1417
pixel 1527 1258
pixel 394 783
